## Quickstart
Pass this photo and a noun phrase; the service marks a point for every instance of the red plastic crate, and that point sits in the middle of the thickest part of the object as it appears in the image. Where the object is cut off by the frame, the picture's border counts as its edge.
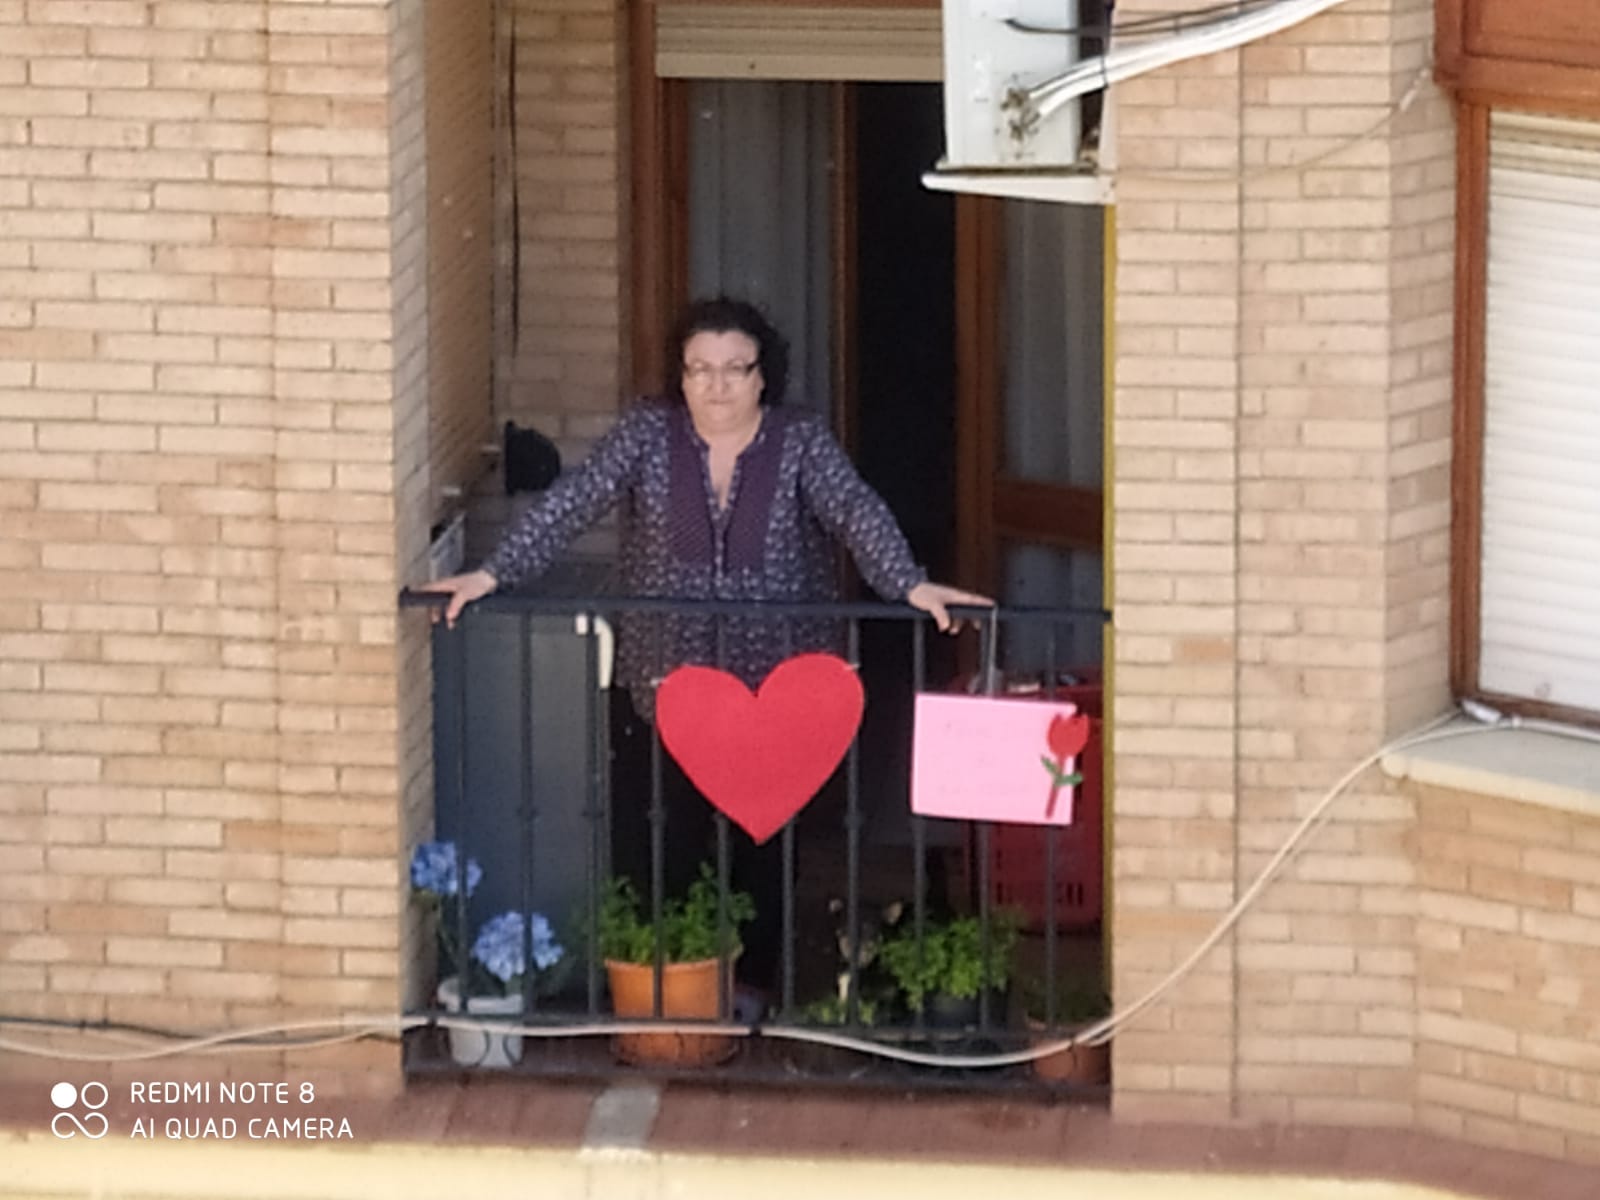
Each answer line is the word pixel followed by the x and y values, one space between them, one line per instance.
pixel 1017 856
pixel 1017 852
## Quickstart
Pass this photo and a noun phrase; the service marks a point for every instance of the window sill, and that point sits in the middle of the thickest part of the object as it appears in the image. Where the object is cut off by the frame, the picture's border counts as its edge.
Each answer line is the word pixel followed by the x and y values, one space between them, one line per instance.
pixel 1517 764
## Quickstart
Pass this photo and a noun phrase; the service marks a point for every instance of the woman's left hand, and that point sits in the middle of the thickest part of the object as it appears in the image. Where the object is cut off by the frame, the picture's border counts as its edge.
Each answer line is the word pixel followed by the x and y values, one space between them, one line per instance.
pixel 932 599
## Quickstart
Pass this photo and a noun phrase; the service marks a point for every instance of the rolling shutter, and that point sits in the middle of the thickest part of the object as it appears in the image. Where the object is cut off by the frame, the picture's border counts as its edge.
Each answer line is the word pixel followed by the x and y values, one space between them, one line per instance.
pixel 1540 589
pixel 786 41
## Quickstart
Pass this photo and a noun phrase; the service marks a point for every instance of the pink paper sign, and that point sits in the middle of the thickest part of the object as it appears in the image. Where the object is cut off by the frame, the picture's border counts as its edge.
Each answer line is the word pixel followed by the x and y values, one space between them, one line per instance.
pixel 989 758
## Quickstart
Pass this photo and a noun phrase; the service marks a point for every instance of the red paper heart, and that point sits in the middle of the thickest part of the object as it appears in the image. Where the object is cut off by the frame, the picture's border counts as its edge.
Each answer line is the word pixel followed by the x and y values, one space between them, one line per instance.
pixel 761 757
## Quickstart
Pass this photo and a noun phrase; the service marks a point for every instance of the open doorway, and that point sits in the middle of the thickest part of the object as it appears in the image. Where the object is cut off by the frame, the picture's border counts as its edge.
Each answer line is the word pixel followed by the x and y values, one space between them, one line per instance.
pixel 955 346
pixel 902 427
pixel 806 198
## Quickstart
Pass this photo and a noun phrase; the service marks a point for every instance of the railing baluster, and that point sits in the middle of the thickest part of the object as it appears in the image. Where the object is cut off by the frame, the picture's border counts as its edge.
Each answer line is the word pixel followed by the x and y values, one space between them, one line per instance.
pixel 788 850
pixel 724 883
pixel 1050 841
pixel 724 872
pixel 458 914
pixel 919 824
pixel 991 687
pixel 596 807
pixel 786 866
pixel 852 825
pixel 658 849
pixel 527 806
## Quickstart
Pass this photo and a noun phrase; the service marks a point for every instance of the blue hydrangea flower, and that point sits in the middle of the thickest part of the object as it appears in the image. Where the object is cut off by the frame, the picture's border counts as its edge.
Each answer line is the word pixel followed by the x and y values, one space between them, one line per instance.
pixel 501 944
pixel 433 869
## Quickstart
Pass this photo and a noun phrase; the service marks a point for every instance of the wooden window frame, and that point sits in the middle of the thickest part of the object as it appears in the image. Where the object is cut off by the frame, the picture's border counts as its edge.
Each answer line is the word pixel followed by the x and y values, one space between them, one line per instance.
pixel 1484 79
pixel 1466 483
pixel 1484 48
pixel 997 507
pixel 658 145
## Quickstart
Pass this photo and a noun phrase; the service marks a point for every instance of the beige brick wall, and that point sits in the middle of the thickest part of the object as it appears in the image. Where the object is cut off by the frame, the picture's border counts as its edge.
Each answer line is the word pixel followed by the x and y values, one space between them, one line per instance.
pixel 1281 427
pixel 141 649
pixel 462 148
pixel 562 298
pixel 1508 974
pixel 212 432
pixel 568 364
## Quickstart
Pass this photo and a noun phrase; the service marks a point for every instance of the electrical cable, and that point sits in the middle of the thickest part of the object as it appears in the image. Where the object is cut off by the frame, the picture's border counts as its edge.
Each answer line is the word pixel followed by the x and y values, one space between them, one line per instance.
pixel 144 1035
pixel 1150 26
pixel 1039 101
pixel 237 1039
pixel 353 1028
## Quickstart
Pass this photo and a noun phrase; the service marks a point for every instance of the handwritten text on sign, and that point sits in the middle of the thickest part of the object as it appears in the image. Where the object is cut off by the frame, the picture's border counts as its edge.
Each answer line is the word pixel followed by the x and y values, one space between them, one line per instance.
pixel 989 758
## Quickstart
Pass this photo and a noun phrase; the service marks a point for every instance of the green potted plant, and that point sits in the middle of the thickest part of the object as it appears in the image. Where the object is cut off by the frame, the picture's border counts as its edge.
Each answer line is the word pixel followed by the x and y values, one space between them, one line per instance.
pixel 1080 1001
pixel 943 975
pixel 830 1010
pixel 695 943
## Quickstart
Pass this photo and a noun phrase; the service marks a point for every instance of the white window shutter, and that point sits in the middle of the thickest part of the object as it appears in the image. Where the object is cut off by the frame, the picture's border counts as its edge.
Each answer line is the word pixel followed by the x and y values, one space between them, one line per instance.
pixel 1540 581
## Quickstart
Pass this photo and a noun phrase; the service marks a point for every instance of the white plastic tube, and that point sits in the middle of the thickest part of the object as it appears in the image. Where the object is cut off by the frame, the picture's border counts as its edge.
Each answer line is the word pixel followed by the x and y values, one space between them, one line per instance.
pixel 1039 101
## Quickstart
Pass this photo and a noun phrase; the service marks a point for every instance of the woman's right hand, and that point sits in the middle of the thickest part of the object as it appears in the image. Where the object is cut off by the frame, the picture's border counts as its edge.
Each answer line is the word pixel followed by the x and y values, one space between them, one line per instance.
pixel 462 590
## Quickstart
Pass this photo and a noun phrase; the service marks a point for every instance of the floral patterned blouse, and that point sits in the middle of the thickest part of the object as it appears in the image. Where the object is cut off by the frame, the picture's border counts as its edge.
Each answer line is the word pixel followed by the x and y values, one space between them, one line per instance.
pixel 793 490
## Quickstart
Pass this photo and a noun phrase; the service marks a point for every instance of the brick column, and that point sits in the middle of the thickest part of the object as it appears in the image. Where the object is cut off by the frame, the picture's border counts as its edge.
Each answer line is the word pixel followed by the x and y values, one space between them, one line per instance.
pixel 1176 491
pixel 1325 580
pixel 354 503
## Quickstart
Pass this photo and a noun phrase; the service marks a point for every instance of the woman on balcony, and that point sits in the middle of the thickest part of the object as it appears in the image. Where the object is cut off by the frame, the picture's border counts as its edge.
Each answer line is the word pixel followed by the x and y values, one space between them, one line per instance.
pixel 728 496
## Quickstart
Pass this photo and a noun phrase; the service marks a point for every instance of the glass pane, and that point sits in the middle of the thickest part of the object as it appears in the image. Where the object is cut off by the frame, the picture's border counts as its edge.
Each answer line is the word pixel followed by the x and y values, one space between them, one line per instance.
pixel 1050 577
pixel 1052 347
pixel 759 223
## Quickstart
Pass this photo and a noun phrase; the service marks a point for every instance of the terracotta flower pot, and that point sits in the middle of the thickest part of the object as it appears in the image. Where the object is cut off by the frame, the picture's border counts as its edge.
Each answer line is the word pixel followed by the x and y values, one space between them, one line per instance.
pixel 1083 1066
pixel 688 990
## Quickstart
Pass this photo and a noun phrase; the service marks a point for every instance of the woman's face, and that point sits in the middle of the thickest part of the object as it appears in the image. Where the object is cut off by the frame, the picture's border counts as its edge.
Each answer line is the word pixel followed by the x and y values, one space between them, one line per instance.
pixel 722 381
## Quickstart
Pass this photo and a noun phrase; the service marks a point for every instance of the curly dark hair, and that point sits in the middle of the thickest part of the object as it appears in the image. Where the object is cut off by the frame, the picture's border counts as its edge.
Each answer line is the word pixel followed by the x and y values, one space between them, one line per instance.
pixel 725 314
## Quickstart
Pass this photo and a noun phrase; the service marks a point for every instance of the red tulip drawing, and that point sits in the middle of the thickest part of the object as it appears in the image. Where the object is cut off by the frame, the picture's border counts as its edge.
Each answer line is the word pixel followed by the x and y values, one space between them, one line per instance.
pixel 1066 738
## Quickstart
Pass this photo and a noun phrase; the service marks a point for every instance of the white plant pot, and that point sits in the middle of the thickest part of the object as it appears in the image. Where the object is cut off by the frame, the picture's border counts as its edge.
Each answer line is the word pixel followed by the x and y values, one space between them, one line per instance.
pixel 481 1048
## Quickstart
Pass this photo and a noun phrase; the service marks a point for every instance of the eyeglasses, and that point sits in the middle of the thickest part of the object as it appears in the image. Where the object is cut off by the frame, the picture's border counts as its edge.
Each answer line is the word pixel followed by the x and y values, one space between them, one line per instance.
pixel 703 373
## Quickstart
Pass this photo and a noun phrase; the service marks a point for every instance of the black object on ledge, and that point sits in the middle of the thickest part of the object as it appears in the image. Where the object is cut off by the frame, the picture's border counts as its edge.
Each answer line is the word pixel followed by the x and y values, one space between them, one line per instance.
pixel 532 461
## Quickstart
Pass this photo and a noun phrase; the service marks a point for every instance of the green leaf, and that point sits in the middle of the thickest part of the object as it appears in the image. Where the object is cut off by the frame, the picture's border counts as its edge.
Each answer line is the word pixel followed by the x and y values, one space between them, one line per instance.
pixel 1059 777
pixel 690 926
pixel 949 959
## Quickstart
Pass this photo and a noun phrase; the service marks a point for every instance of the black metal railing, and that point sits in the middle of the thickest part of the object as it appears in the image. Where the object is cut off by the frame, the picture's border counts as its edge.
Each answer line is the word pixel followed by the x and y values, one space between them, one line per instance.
pixel 524 756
